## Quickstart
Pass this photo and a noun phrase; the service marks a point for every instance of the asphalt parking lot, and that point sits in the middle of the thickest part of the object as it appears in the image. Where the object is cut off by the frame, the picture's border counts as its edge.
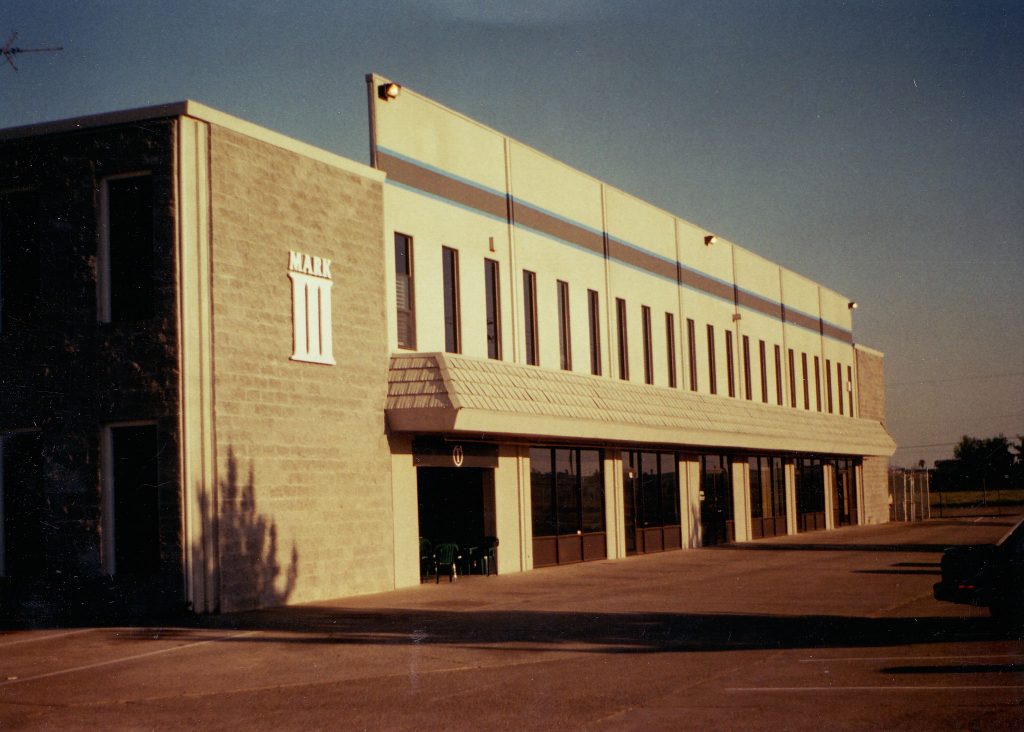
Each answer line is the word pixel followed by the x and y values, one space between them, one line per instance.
pixel 821 631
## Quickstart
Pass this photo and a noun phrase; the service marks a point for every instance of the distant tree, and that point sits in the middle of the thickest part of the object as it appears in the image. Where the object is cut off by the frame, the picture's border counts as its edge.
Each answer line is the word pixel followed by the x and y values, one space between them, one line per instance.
pixel 986 462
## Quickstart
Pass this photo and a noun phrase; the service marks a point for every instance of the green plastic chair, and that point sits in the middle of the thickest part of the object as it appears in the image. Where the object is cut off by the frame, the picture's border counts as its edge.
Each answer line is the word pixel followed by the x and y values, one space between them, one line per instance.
pixel 446 555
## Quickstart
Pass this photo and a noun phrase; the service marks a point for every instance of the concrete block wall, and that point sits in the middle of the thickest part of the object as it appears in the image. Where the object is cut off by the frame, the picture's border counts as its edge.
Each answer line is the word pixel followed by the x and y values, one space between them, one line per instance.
pixel 870 371
pixel 304 471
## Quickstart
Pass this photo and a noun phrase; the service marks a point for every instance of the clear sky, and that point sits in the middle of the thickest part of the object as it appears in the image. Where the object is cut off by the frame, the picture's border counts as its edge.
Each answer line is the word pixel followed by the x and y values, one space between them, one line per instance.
pixel 875 146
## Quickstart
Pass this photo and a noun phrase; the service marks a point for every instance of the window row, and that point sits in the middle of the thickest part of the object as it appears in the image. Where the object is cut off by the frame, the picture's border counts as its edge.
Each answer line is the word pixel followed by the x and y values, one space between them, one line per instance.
pixel 406 320
pixel 126 259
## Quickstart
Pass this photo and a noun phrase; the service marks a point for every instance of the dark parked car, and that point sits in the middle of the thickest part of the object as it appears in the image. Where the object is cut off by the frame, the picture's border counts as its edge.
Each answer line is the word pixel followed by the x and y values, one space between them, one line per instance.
pixel 987 575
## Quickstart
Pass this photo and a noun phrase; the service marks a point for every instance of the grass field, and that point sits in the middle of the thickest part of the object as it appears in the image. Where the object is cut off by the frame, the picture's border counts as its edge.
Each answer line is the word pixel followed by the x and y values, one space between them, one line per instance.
pixel 955 499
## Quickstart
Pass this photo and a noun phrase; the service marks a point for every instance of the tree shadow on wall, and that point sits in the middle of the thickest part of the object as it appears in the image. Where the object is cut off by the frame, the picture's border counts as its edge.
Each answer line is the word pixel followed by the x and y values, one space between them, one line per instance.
pixel 245 562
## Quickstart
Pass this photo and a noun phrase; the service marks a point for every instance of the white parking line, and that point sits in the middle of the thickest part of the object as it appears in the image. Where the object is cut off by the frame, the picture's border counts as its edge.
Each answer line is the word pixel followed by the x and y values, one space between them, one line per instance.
pixel 791 689
pixel 124 659
pixel 907 658
pixel 49 636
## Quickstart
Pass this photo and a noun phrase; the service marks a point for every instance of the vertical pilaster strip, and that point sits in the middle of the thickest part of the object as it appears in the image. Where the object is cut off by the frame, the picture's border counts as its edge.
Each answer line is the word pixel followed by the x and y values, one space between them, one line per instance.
pixel 513 301
pixel 195 344
pixel 614 514
pixel 790 472
pixel 740 471
pixel 828 479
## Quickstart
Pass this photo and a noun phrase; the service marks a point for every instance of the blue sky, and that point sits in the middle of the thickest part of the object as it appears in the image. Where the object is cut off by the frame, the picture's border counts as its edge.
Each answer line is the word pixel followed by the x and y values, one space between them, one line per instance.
pixel 877 147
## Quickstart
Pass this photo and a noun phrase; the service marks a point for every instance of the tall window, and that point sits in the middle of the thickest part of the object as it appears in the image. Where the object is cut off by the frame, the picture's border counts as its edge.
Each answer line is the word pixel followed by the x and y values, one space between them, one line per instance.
pixel 807 381
pixel 530 317
pixel 712 376
pixel 19 258
pixel 645 317
pixel 792 379
pixel 594 314
pixel 778 375
pixel 730 368
pixel 405 299
pixel 620 327
pixel 747 386
pixel 126 258
pixel 839 383
pixel 23 506
pixel 452 316
pixel 492 307
pixel 764 372
pixel 131 500
pixel 849 389
pixel 670 346
pixel 817 383
pixel 691 350
pixel 828 385
pixel 564 326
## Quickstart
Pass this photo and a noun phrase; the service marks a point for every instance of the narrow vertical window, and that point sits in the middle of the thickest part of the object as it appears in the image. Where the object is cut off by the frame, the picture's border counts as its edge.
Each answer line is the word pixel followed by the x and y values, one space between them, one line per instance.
pixel 450 280
pixel 405 298
pixel 691 350
pixel 764 371
pixel 670 347
pixel 849 389
pixel 778 375
pixel 748 387
pixel 126 258
pixel 817 383
pixel 564 326
pixel 492 307
pixel 828 385
pixel 645 318
pixel 839 383
pixel 807 382
pixel 530 317
pixel 594 314
pixel 792 379
pixel 620 327
pixel 712 376
pixel 19 258
pixel 131 500
pixel 730 369
pixel 23 506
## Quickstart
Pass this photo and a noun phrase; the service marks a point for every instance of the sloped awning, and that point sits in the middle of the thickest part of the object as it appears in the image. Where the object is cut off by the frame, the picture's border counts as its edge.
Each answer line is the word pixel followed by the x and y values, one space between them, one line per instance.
pixel 451 394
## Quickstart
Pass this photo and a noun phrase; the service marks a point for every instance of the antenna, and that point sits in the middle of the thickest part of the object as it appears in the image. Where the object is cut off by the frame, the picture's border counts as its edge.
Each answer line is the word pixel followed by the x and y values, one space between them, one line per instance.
pixel 9 51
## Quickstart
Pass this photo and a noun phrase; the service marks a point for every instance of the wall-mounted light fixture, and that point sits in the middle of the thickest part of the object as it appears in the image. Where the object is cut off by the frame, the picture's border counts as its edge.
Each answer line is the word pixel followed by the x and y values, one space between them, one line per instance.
pixel 389 91
pixel 852 305
pixel 710 239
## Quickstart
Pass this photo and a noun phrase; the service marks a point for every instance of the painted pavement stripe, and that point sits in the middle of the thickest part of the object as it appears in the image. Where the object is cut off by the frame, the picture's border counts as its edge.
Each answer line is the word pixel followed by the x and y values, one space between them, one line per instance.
pixel 100 664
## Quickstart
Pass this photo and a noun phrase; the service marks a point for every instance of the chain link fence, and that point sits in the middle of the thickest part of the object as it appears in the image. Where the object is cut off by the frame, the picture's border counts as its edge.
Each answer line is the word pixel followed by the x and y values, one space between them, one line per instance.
pixel 909 494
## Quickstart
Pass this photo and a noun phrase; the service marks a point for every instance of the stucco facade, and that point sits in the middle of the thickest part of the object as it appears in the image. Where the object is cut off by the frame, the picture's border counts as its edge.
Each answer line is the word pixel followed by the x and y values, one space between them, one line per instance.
pixel 250 372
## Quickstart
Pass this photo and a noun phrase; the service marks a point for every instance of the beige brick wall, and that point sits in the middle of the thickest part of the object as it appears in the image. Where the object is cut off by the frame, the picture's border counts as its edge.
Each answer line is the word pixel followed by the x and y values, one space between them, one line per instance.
pixel 876 490
pixel 303 467
pixel 870 385
pixel 871 405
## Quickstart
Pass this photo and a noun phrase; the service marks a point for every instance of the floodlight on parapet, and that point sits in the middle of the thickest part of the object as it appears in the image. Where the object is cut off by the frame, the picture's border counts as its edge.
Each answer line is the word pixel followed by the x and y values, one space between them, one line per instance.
pixel 389 91
pixel 852 305
pixel 710 239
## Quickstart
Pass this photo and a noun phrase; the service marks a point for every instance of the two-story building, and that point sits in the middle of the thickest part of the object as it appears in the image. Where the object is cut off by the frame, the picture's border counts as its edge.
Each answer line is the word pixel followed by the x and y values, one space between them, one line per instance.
pixel 239 371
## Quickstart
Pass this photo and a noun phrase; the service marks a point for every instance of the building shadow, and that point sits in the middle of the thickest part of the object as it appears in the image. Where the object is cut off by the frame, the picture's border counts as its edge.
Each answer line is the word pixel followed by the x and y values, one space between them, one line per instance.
pixel 250 571
pixel 585 632
pixel 239 550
